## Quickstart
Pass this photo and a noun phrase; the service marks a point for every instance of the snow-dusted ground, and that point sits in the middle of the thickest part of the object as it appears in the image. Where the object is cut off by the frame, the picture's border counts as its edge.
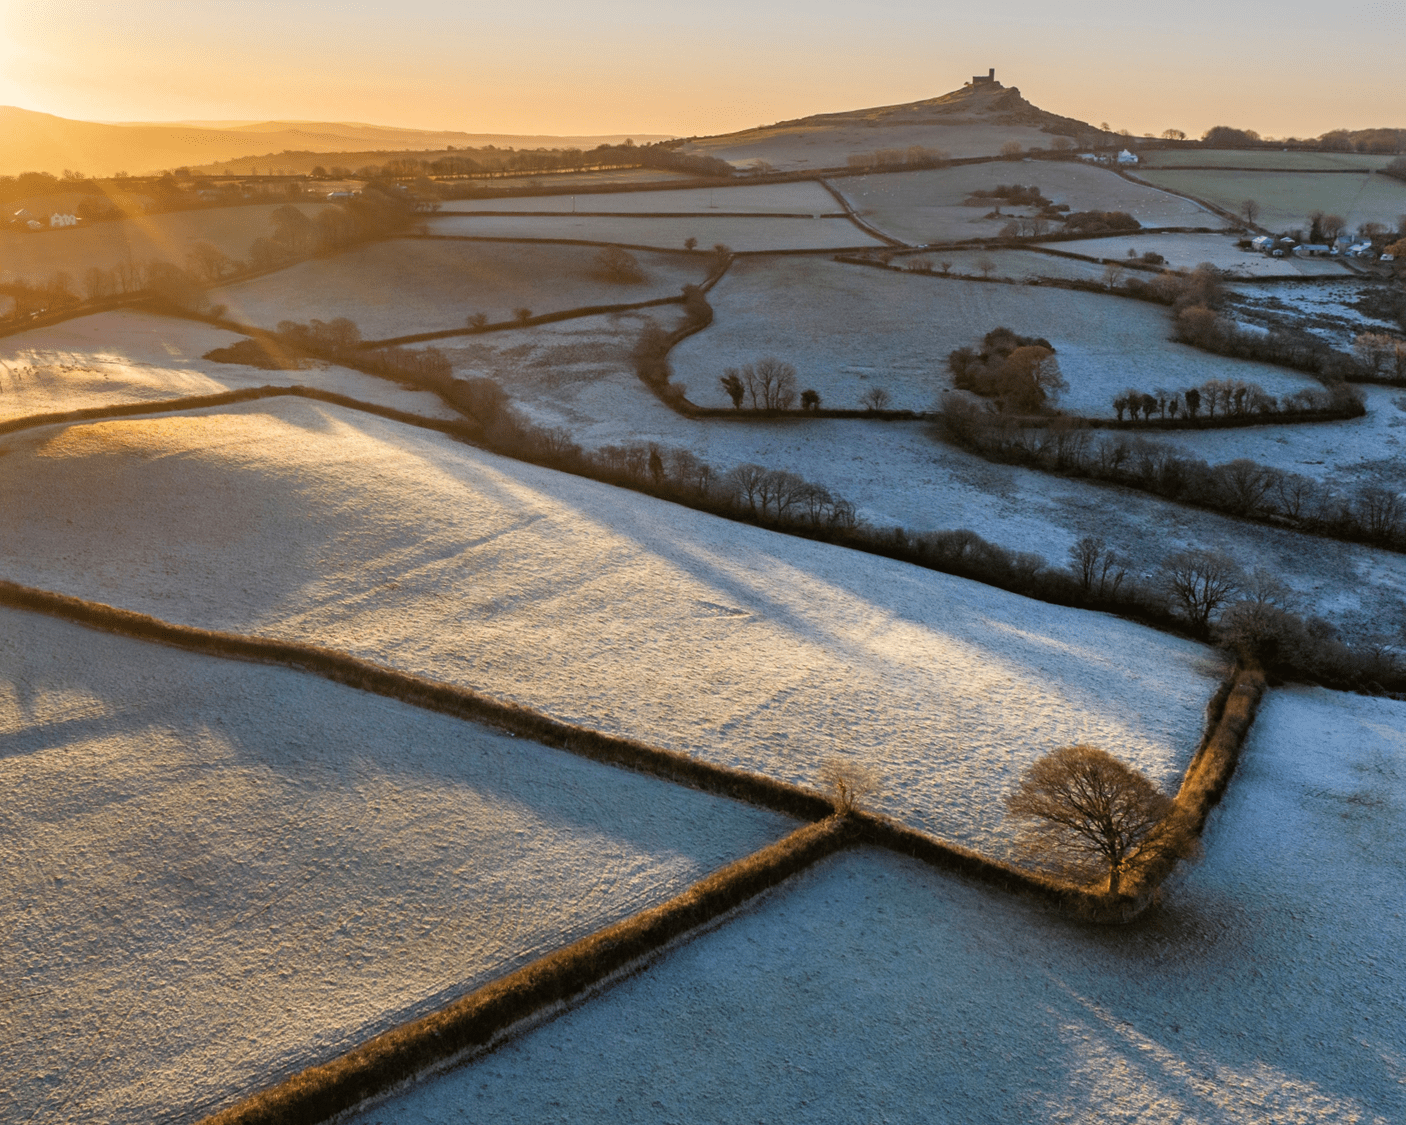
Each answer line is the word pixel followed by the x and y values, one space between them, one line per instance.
pixel 218 873
pixel 127 356
pixel 404 286
pixel 830 145
pixel 1186 251
pixel 804 198
pixel 598 606
pixel 1019 265
pixel 577 375
pixel 848 328
pixel 745 233
pixel 929 206
pixel 1351 453
pixel 1287 199
pixel 1269 991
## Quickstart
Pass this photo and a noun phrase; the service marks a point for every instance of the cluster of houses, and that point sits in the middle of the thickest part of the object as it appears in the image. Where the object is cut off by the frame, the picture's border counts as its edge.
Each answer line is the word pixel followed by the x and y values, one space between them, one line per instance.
pixel 1126 158
pixel 27 220
pixel 1341 247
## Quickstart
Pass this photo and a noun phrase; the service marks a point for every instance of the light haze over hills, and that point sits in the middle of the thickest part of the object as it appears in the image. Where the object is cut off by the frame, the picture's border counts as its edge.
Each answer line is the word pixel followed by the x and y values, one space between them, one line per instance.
pixel 42 142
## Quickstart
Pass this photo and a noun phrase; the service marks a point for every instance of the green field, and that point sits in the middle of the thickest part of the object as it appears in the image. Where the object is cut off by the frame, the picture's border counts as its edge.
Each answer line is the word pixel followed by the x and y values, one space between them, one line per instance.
pixel 1287 198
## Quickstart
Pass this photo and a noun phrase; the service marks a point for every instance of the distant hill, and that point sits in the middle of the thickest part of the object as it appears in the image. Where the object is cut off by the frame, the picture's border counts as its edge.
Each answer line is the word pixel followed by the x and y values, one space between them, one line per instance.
pixel 41 142
pixel 976 120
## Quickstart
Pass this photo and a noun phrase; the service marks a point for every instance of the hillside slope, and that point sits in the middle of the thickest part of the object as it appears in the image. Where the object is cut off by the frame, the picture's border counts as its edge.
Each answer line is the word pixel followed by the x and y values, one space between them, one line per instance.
pixel 973 121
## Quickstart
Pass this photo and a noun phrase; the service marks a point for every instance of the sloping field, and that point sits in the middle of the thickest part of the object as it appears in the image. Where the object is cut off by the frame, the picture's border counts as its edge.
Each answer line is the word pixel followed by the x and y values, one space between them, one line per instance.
pixel 218 873
pixel 1187 251
pixel 825 145
pixel 929 206
pixel 806 197
pixel 1349 453
pixel 1286 199
pixel 578 375
pixel 848 328
pixel 551 180
pixel 760 233
pixel 593 604
pixel 170 237
pixel 128 356
pixel 1014 265
pixel 874 989
pixel 579 370
pixel 404 286
pixel 1261 159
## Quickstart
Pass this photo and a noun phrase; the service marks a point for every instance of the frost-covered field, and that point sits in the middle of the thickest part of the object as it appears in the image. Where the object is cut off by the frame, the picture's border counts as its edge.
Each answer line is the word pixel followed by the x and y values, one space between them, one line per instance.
pixel 577 375
pixel 805 198
pixel 928 206
pixel 1186 251
pixel 404 286
pixel 1350 453
pixel 1269 992
pixel 596 605
pixel 129 356
pixel 169 236
pixel 748 233
pixel 831 145
pixel 218 873
pixel 848 328
pixel 1260 159
pixel 1017 265
pixel 1286 199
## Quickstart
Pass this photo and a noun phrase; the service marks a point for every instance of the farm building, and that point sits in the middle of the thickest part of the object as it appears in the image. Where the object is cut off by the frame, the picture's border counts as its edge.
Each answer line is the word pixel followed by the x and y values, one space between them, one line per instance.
pixel 1127 157
pixel 1312 250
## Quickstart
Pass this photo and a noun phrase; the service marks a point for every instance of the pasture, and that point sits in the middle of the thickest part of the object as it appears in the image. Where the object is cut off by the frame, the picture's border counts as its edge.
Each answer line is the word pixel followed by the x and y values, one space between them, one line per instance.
pixel 873 988
pixel 219 873
pixel 1286 199
pixel 804 198
pixel 741 233
pixel 929 206
pixel 816 145
pixel 1187 251
pixel 169 236
pixel 403 286
pixel 128 356
pixel 848 328
pixel 597 606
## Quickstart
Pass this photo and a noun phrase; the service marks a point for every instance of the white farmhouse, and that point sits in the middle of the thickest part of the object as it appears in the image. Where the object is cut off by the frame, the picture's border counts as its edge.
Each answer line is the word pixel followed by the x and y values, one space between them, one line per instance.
pixel 57 220
pixel 1127 157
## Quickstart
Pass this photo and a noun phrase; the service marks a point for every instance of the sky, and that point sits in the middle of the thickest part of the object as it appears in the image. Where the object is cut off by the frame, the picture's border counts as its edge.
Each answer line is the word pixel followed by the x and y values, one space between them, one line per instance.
pixel 568 67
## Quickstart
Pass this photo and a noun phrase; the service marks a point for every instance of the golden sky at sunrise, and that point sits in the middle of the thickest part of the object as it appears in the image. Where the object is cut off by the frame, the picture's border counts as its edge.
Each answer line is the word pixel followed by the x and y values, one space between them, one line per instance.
pixel 553 66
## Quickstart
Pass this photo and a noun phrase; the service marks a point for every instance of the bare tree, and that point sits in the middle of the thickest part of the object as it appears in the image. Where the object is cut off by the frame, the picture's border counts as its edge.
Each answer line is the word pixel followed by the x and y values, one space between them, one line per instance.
pixel 1200 582
pixel 522 316
pixel 1250 209
pixel 986 265
pixel 477 321
pixel 875 398
pixel 771 384
pixel 848 782
pixel 1084 807
pixel 1083 559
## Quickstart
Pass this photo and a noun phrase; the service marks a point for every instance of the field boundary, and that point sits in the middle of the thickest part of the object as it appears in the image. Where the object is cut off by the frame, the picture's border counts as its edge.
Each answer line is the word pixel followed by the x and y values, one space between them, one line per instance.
pixel 1202 783
pixel 646 214
pixel 485 1017
pixel 862 224
pixel 430 695
pixel 465 429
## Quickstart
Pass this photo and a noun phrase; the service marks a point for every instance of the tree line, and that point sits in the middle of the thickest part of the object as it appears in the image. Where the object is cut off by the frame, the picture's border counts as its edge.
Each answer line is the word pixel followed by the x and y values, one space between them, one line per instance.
pixel 1368 513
